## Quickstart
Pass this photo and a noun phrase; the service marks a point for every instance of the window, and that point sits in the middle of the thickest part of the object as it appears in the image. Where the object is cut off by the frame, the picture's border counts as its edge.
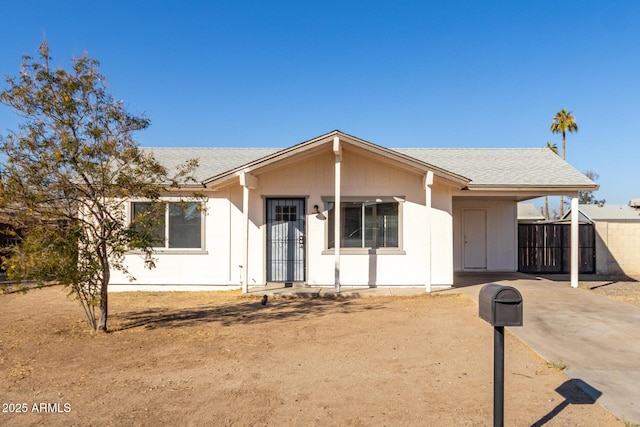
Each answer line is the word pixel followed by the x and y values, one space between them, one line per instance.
pixel 180 221
pixel 286 213
pixel 366 225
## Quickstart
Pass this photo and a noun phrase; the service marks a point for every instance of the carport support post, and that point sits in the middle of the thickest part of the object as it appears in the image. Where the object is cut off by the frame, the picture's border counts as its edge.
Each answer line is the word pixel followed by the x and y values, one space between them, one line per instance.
pixel 575 242
pixel 498 376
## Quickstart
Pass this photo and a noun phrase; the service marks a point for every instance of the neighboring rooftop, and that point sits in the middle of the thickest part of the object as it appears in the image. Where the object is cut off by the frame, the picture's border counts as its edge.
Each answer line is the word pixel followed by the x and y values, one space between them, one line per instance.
pixel 635 203
pixel 528 212
pixel 611 213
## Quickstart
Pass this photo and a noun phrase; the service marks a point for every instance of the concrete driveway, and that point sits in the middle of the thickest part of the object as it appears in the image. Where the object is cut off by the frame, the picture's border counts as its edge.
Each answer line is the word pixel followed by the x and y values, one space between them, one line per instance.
pixel 596 337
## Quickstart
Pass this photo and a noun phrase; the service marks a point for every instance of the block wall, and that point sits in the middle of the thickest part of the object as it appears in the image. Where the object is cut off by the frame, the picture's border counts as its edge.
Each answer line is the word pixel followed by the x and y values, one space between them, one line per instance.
pixel 618 248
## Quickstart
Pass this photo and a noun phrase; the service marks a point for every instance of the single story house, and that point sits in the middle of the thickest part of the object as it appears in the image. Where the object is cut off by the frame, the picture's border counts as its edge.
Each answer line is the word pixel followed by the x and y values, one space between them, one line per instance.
pixel 617 240
pixel 337 210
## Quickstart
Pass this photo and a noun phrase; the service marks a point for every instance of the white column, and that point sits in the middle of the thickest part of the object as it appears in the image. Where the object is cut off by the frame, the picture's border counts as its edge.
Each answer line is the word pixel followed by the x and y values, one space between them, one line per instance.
pixel 337 150
pixel 575 243
pixel 428 182
pixel 247 182
pixel 245 239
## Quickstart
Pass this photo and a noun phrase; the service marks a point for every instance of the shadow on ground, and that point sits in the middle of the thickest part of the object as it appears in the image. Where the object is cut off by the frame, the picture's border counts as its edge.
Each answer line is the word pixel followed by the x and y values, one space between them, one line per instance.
pixel 574 392
pixel 462 280
pixel 242 311
pixel 589 278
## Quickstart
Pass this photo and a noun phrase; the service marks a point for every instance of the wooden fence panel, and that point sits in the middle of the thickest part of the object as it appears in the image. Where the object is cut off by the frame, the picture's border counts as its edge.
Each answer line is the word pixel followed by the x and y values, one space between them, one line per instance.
pixel 546 248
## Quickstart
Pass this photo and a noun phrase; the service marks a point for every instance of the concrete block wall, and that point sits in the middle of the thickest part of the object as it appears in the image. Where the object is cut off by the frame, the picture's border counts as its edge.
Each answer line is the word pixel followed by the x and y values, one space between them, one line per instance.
pixel 618 248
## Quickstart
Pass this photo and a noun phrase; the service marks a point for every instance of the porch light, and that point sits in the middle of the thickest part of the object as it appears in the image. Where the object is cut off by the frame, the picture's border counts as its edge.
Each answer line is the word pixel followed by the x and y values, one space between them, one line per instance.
pixel 317 213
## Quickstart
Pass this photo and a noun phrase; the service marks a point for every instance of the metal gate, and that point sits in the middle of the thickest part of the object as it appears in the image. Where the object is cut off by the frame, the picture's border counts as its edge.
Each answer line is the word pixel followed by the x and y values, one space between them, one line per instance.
pixel 546 248
pixel 285 240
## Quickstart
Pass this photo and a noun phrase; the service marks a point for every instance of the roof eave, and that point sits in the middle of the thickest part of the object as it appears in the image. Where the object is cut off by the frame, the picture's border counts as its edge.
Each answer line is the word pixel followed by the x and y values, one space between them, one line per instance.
pixel 532 188
pixel 183 186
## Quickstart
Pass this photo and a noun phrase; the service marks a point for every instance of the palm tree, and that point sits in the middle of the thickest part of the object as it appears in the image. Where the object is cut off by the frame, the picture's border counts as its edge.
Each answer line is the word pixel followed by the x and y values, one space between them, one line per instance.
pixel 563 122
pixel 554 148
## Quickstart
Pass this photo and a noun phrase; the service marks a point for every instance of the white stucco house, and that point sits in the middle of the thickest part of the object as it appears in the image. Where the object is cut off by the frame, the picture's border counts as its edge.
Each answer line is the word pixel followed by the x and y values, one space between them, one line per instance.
pixel 340 211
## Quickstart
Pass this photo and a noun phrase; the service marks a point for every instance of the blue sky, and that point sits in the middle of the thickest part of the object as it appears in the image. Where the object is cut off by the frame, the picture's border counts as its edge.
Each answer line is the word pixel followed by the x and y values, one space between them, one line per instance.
pixel 397 73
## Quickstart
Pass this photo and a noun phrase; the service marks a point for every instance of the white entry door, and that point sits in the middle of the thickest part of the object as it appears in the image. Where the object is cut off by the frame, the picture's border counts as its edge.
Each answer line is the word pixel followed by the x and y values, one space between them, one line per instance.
pixel 475 239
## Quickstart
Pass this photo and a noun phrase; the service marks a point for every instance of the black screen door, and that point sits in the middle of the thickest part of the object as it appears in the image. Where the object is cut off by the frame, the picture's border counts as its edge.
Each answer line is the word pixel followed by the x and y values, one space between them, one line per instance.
pixel 285 240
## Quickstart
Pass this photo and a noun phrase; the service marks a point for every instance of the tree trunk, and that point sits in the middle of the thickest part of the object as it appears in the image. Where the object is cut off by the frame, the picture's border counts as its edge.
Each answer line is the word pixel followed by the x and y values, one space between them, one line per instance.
pixel 102 325
pixel 546 208
pixel 104 300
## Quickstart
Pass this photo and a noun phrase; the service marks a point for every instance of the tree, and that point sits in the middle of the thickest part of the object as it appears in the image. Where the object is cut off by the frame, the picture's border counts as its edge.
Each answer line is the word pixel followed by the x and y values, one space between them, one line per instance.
pixel 563 122
pixel 68 172
pixel 554 148
pixel 587 197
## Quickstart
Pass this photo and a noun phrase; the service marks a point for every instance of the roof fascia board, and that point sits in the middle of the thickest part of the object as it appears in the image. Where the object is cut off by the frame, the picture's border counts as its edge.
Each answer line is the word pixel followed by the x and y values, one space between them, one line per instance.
pixel 551 189
pixel 527 193
pixel 567 215
pixel 169 187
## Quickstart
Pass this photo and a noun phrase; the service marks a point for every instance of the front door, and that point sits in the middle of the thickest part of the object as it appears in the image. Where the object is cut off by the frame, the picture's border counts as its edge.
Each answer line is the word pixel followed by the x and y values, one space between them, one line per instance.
pixel 285 240
pixel 475 239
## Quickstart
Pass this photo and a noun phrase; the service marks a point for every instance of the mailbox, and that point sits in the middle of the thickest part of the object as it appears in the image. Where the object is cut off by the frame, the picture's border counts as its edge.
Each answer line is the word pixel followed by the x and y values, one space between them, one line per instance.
pixel 500 305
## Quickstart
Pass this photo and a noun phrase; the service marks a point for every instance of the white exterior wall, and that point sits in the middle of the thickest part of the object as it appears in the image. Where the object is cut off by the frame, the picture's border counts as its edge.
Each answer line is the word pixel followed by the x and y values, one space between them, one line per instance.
pixel 442 236
pixel 501 233
pixel 219 265
pixel 216 266
pixel 364 177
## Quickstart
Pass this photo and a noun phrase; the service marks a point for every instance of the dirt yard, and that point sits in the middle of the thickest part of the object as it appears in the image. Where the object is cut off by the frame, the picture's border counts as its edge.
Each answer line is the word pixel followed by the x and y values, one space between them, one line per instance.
pixel 624 290
pixel 224 359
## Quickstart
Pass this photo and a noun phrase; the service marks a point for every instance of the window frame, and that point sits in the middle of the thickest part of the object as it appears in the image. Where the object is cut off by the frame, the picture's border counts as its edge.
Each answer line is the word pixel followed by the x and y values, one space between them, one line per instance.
pixel 329 202
pixel 167 224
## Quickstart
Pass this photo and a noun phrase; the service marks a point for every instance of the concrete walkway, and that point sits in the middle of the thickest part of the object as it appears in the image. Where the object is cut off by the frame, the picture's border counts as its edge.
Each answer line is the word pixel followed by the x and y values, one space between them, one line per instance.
pixel 596 337
pixel 279 290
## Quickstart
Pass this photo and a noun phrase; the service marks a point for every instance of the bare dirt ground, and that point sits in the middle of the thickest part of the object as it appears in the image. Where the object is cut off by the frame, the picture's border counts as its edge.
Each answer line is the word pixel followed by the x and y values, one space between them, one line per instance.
pixel 224 359
pixel 624 289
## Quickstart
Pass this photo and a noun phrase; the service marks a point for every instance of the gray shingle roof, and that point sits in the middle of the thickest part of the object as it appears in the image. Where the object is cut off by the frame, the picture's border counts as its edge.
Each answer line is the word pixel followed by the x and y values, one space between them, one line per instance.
pixel 611 212
pixel 211 161
pixel 483 166
pixel 503 166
